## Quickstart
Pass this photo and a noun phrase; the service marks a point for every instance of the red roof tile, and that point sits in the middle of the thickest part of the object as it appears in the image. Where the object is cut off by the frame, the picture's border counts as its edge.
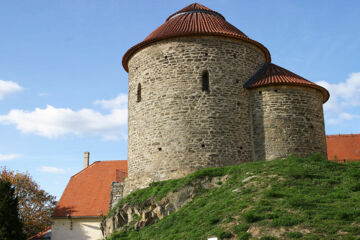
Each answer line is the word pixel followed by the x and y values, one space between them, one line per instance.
pixel 343 147
pixel 272 75
pixel 88 192
pixel 195 7
pixel 46 234
pixel 193 20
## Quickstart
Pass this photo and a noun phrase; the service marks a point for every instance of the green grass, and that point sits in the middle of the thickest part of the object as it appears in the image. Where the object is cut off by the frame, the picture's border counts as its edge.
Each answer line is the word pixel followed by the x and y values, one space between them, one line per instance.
pixel 311 198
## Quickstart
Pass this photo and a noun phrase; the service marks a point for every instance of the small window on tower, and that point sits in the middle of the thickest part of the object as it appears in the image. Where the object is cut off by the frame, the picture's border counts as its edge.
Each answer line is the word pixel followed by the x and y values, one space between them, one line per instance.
pixel 139 93
pixel 205 81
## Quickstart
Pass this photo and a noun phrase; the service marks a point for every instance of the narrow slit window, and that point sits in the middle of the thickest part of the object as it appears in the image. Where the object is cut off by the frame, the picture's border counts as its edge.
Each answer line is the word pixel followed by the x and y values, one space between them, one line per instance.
pixel 205 81
pixel 139 93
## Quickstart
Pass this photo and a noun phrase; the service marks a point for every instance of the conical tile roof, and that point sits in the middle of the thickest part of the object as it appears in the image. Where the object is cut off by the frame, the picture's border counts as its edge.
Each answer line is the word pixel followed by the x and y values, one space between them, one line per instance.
pixel 195 7
pixel 273 75
pixel 193 20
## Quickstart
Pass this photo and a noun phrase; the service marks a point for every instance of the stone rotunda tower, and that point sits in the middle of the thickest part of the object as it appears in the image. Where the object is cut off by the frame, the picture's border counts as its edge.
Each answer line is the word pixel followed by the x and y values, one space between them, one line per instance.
pixel 201 95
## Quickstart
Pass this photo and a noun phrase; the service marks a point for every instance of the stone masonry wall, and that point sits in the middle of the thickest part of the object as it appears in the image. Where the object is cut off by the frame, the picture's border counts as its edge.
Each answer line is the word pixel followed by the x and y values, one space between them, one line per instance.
pixel 286 120
pixel 116 193
pixel 177 128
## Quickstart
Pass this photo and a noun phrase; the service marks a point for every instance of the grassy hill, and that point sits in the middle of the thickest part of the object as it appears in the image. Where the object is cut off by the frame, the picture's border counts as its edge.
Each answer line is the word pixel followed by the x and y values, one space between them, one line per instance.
pixel 295 198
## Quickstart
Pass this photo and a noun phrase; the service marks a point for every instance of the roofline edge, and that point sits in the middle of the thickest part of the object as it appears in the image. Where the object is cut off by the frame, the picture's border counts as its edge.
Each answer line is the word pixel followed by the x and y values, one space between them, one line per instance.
pixel 129 53
pixel 75 217
pixel 344 135
pixel 325 93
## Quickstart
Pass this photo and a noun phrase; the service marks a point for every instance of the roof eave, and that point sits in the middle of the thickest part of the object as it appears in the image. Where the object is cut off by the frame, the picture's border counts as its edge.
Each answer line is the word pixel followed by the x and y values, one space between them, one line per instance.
pixel 76 217
pixel 323 91
pixel 127 56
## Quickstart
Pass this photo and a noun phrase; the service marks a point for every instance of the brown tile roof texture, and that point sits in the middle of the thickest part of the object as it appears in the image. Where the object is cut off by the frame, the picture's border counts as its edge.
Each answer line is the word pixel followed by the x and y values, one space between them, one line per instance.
pixel 44 235
pixel 88 192
pixel 194 20
pixel 343 148
pixel 273 75
pixel 195 7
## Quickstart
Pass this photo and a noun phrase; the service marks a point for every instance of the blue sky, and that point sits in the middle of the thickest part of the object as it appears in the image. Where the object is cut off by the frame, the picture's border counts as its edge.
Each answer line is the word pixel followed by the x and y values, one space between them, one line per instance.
pixel 63 90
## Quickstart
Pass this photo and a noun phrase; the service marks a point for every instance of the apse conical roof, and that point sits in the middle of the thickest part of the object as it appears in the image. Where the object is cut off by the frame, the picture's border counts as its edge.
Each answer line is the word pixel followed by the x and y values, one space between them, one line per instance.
pixel 274 75
pixel 193 20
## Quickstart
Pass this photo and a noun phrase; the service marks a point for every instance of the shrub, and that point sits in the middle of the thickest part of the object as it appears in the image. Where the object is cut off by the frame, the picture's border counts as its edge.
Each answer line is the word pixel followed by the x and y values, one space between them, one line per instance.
pixel 268 238
pixel 355 187
pixel 345 215
pixel 294 235
pixel 251 216
pixel 299 202
pixel 274 193
pixel 225 235
pixel 285 221
pixel 240 228
pixel 214 220
pixel 244 236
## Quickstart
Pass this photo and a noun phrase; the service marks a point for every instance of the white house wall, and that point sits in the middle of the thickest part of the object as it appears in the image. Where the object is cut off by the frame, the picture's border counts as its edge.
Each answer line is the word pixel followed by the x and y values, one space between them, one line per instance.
pixel 82 229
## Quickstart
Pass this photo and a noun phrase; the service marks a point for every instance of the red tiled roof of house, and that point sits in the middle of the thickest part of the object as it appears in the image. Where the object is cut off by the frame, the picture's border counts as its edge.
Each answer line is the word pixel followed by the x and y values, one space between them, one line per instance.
pixel 194 20
pixel 88 192
pixel 343 147
pixel 272 75
pixel 42 235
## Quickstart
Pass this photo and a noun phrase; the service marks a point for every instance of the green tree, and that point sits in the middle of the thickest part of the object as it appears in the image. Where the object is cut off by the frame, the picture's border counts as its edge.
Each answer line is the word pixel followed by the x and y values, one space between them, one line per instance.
pixel 34 204
pixel 10 224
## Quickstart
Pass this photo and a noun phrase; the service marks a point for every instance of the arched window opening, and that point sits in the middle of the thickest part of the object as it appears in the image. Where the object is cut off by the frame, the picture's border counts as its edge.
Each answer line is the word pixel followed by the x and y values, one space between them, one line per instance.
pixel 139 93
pixel 205 81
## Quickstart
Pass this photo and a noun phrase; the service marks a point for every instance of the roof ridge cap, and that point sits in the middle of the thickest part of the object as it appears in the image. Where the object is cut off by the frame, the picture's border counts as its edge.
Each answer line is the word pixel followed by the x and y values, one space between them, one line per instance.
pixel 344 135
pixel 107 161
pixel 82 170
pixel 195 7
pixel 96 162
pixel 196 11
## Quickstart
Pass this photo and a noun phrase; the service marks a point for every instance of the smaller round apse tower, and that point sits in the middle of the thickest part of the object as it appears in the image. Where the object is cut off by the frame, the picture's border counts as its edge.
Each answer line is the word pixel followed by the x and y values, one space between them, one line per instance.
pixel 286 113
pixel 188 108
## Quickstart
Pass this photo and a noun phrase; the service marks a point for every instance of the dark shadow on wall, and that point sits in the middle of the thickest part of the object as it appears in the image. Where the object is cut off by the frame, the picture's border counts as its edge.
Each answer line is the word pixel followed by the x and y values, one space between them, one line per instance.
pixel 66 213
pixel 63 211
pixel 258 131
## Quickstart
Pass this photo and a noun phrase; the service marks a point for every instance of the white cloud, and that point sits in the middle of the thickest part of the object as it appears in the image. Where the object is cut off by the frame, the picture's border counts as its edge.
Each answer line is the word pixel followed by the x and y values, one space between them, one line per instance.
pixel 343 116
pixel 48 169
pixel 7 157
pixel 8 87
pixel 347 116
pixel 119 102
pixel 52 122
pixel 344 97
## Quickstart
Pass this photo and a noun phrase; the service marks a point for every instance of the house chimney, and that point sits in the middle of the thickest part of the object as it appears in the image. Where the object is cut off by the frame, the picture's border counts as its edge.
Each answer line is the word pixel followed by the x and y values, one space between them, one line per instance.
pixel 86 159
